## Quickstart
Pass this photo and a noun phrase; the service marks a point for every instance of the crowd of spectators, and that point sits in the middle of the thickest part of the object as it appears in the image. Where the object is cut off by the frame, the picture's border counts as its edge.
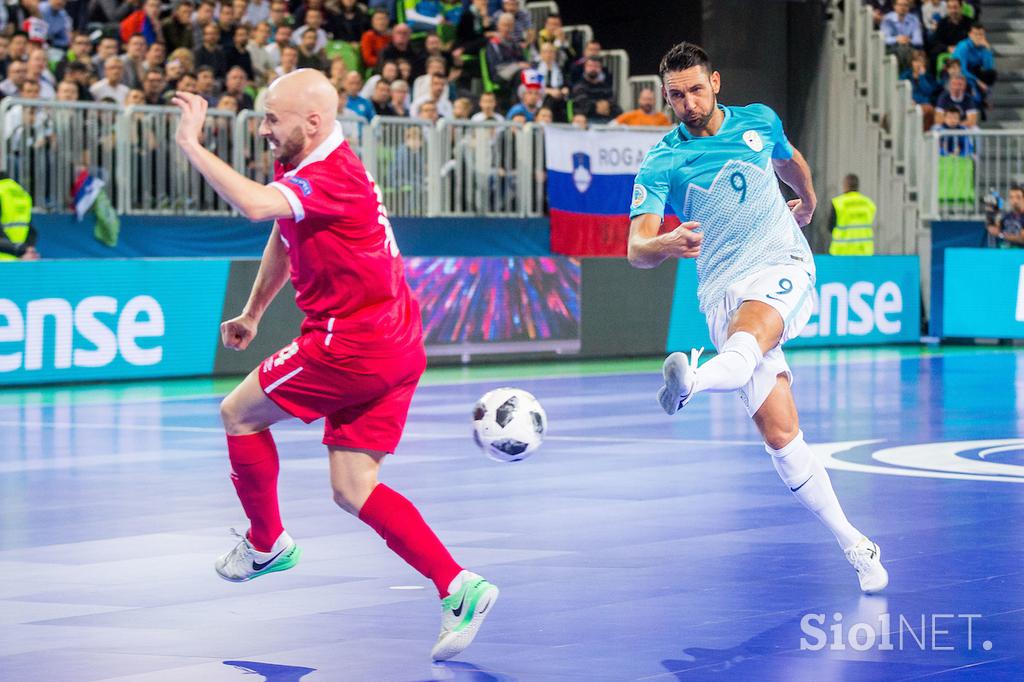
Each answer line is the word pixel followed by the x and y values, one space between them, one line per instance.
pixel 942 49
pixel 461 59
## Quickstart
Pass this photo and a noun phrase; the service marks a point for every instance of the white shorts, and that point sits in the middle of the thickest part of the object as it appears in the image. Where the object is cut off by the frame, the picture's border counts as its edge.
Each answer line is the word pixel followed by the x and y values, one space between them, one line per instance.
pixel 787 288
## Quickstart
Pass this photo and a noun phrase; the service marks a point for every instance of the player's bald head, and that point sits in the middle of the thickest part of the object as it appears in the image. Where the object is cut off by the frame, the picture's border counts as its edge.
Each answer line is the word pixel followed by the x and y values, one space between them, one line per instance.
pixel 304 92
pixel 300 110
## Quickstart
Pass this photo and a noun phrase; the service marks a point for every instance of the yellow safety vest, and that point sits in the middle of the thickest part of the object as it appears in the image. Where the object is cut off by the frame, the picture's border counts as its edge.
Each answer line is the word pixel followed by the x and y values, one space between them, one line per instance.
pixel 854 233
pixel 15 213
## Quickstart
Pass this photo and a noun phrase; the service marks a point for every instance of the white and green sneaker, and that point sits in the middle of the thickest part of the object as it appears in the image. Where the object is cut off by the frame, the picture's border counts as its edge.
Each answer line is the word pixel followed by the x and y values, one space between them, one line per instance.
pixel 245 562
pixel 462 613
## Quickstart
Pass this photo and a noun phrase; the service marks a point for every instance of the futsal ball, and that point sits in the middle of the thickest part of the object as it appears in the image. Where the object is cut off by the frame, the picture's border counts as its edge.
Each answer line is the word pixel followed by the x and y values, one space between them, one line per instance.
pixel 508 424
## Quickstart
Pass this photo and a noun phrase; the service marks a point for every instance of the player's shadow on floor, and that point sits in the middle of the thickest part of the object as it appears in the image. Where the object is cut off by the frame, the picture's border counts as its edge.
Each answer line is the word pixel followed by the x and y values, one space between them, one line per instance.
pixel 272 672
pixel 457 671
pixel 749 659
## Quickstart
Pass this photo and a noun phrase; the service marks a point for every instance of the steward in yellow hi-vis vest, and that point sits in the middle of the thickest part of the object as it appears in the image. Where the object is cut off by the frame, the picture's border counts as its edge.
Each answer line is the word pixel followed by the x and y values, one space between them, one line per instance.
pixel 853 222
pixel 17 237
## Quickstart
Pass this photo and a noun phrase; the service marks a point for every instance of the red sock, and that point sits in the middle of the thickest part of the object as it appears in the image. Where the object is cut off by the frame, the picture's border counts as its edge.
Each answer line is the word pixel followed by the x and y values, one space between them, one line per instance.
pixel 254 468
pixel 397 521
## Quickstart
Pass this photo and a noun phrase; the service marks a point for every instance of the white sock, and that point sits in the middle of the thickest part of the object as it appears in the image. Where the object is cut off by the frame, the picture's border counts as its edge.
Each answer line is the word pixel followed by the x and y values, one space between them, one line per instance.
pixel 807 478
pixel 732 368
pixel 456 584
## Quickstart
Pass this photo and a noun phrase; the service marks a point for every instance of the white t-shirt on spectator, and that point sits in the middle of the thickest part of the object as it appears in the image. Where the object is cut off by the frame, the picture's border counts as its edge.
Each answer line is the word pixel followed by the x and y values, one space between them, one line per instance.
pixel 552 75
pixel 444 107
pixel 274 52
pixel 102 89
pixel 257 11
pixel 421 87
pixel 369 86
pixel 261 59
pixel 15 129
pixel 46 91
pixel 480 116
pixel 931 12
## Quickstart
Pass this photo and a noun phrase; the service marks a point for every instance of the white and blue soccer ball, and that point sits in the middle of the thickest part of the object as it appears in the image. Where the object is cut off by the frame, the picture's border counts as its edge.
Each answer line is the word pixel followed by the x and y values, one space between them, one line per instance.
pixel 508 424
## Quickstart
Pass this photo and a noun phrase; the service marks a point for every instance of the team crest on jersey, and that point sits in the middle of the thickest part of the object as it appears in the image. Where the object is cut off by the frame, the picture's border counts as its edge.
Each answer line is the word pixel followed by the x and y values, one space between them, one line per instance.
pixel 753 140
pixel 581 175
pixel 639 195
pixel 302 184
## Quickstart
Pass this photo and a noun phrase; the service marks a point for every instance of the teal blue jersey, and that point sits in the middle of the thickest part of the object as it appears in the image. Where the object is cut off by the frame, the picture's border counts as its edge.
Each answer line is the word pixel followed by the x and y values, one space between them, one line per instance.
pixel 726 182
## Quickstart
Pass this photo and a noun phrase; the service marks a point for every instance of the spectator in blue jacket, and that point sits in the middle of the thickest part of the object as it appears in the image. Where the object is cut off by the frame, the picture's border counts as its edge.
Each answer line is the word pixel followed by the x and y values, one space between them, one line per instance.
pixel 925 88
pixel 902 33
pixel 58 23
pixel 352 84
pixel 976 59
pixel 954 145
pixel 954 68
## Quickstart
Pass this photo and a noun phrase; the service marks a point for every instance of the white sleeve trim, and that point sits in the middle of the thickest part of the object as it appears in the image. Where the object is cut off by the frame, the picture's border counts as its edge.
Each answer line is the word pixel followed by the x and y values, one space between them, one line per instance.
pixel 293 200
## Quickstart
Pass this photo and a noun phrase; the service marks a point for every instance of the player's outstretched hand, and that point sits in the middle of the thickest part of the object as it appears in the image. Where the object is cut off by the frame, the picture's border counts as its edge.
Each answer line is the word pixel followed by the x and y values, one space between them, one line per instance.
pixel 238 332
pixel 682 242
pixel 193 113
pixel 801 212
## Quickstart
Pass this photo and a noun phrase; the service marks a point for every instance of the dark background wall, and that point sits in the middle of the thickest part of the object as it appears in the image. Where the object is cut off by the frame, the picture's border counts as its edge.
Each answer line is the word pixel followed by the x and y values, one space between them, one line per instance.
pixel 643 28
pixel 766 50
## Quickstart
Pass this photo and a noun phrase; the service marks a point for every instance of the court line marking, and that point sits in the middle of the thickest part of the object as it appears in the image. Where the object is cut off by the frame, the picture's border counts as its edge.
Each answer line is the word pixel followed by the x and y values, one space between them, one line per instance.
pixel 118 427
pixel 829 453
pixel 411 434
pixel 966 666
pixel 626 439
pixel 488 380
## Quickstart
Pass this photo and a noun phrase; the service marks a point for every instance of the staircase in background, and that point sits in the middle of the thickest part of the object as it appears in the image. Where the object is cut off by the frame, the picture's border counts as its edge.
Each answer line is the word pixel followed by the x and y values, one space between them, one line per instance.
pixel 1004 26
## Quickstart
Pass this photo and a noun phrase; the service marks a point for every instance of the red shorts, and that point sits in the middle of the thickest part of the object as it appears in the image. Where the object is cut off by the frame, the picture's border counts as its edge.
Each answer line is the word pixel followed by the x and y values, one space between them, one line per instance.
pixel 365 400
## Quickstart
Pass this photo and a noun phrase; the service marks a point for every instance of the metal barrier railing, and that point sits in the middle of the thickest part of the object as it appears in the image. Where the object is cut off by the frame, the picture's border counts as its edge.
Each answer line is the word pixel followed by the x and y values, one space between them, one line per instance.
pixel 539 12
pixel 456 168
pixel 871 128
pixel 252 158
pixel 153 175
pixel 967 165
pixel 578 35
pixel 401 154
pixel 617 62
pixel 943 175
pixel 47 144
pixel 486 169
pixel 535 172
pixel 354 126
pixel 649 82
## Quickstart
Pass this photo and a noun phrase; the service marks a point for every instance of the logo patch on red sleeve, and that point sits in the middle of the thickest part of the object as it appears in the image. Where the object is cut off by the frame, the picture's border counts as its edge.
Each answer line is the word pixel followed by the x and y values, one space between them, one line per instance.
pixel 302 184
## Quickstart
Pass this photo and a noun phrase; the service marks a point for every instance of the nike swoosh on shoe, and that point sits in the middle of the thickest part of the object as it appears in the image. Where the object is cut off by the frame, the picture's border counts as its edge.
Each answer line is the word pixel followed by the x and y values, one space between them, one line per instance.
pixel 458 612
pixel 256 566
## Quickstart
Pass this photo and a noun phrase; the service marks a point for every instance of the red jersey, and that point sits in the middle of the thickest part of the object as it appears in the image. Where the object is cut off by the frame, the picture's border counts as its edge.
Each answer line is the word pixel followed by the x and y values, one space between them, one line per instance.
pixel 344 262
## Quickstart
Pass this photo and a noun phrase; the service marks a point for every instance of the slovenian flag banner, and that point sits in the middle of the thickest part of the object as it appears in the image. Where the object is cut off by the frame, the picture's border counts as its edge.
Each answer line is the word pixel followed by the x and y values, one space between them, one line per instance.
pixel 590 178
pixel 84 192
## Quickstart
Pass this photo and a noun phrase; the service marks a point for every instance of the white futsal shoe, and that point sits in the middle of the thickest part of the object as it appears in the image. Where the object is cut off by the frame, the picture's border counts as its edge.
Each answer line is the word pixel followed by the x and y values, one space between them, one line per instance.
pixel 680 375
pixel 866 558
pixel 462 614
pixel 245 562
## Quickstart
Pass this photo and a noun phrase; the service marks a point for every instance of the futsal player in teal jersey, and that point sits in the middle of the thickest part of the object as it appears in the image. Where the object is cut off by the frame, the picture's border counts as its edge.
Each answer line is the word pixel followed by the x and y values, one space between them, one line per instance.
pixel 755 271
